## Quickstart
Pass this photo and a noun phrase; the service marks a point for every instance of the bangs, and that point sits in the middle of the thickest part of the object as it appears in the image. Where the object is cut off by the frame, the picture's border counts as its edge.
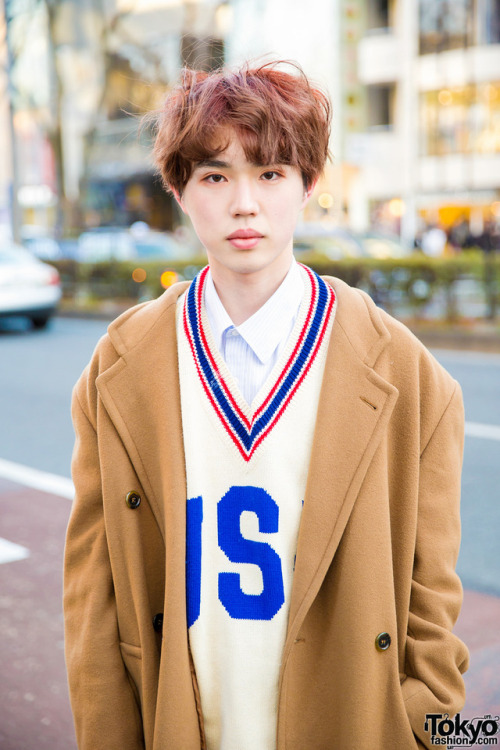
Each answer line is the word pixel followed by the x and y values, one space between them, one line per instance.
pixel 278 117
pixel 257 151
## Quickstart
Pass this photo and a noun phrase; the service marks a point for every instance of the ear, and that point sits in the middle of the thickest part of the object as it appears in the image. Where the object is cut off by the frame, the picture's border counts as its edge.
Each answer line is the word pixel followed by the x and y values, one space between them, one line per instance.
pixel 178 198
pixel 308 192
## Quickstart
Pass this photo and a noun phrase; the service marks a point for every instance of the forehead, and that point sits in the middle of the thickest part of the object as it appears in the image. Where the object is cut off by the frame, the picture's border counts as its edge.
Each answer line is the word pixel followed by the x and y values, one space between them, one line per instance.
pixel 229 152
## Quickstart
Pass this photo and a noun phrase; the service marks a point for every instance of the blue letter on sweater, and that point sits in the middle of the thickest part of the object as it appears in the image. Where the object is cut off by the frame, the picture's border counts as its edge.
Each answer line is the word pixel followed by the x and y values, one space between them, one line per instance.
pixel 194 518
pixel 239 605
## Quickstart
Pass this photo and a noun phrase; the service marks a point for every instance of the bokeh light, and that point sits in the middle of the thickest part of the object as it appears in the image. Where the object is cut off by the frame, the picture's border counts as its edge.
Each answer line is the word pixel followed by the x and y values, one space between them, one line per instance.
pixel 396 207
pixel 445 97
pixel 325 200
pixel 168 278
pixel 139 275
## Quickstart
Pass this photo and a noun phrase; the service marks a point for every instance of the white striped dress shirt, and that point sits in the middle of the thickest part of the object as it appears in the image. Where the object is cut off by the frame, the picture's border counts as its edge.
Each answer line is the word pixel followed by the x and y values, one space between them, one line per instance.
pixel 251 349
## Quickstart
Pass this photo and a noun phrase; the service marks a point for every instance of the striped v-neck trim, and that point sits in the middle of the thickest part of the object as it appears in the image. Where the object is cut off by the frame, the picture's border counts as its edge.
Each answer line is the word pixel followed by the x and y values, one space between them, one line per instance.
pixel 248 430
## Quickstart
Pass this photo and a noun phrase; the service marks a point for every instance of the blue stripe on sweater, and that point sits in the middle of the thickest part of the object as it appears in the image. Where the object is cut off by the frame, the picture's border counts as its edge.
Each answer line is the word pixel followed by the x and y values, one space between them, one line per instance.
pixel 248 438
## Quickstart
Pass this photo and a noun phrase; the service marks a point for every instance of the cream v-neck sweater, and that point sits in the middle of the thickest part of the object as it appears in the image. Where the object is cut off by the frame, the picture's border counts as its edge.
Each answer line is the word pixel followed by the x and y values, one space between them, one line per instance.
pixel 246 471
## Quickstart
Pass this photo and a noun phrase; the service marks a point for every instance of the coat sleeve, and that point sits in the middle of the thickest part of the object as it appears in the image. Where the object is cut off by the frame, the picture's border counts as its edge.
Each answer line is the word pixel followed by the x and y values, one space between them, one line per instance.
pixel 435 657
pixel 104 705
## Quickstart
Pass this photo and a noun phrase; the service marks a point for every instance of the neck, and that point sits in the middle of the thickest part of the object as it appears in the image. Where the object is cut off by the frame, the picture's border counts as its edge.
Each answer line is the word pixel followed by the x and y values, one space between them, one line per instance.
pixel 243 294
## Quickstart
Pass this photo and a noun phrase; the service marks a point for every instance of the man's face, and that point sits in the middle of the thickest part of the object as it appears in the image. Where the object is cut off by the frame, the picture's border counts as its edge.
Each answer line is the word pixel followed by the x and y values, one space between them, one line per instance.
pixel 244 214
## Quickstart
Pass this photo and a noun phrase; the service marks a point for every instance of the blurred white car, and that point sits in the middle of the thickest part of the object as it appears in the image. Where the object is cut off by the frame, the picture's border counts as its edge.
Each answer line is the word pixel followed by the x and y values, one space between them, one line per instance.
pixel 119 243
pixel 38 241
pixel 104 244
pixel 45 248
pixel 28 287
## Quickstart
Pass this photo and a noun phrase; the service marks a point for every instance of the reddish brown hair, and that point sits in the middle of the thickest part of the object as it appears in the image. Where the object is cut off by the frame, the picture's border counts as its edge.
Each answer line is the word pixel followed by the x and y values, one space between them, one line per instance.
pixel 280 119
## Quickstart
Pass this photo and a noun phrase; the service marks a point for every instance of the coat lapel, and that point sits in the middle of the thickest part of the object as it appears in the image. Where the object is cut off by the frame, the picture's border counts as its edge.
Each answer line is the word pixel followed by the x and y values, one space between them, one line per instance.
pixel 355 407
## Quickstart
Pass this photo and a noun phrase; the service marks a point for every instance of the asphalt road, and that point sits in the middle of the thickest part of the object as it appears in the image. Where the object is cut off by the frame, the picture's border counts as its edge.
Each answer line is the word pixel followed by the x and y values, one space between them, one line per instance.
pixel 37 373
pixel 39 369
pixel 479 559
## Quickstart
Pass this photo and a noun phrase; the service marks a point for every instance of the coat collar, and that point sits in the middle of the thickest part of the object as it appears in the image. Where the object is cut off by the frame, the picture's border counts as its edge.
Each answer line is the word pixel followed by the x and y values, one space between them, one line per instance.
pixel 141 394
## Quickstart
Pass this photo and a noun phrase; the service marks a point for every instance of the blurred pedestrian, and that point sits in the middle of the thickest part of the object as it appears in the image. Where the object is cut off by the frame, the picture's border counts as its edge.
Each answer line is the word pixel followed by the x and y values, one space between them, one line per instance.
pixel 433 241
pixel 487 240
pixel 458 234
pixel 261 552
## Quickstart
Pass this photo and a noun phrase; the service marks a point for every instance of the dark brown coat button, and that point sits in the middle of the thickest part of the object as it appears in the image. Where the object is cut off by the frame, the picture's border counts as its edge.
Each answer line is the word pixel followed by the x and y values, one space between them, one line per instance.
pixel 133 500
pixel 158 622
pixel 383 641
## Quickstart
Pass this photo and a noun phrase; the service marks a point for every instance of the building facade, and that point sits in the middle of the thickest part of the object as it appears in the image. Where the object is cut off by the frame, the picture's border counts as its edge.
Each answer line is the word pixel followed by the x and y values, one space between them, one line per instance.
pixel 430 149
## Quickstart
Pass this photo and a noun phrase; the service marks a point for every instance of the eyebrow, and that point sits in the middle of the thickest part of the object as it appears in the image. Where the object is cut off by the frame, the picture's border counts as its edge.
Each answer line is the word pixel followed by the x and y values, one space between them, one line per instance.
pixel 219 164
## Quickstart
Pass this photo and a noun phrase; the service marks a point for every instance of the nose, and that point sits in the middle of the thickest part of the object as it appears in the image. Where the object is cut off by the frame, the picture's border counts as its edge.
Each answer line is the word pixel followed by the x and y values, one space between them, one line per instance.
pixel 244 199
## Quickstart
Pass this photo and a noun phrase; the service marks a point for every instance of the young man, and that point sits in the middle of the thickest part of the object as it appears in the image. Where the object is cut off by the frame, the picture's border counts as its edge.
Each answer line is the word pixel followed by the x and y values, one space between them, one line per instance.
pixel 262 547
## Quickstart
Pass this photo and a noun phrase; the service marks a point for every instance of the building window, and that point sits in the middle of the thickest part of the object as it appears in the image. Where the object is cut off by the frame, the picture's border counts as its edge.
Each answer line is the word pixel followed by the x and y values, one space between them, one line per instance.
pixel 488 21
pixel 460 120
pixel 380 103
pixel 202 53
pixel 378 14
pixel 445 24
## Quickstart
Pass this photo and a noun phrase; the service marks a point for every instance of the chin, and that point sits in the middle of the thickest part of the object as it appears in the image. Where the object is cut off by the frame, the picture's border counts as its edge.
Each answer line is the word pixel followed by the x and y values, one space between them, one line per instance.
pixel 248 266
pixel 255 260
pixel 247 262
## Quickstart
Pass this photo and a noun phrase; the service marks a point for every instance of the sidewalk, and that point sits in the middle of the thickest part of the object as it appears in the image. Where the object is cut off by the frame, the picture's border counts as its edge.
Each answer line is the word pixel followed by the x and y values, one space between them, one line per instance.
pixel 477 335
pixel 34 703
pixel 480 336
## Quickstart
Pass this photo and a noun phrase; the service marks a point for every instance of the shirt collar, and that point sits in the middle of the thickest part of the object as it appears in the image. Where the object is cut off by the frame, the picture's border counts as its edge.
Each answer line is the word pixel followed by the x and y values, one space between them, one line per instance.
pixel 265 329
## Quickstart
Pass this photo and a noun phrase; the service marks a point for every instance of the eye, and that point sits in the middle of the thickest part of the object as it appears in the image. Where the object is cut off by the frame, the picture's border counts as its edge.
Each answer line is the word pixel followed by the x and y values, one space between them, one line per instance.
pixel 271 175
pixel 214 178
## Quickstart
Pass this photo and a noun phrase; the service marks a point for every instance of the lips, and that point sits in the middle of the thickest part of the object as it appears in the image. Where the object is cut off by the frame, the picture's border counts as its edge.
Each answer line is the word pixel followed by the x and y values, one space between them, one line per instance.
pixel 244 234
pixel 244 239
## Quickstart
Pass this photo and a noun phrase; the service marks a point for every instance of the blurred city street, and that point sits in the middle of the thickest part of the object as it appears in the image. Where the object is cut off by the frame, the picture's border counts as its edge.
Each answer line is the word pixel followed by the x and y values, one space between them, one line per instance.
pixel 35 450
pixel 407 209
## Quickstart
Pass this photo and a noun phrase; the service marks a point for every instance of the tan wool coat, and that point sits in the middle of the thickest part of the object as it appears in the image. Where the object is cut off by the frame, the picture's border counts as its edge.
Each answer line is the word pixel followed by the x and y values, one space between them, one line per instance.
pixel 377 547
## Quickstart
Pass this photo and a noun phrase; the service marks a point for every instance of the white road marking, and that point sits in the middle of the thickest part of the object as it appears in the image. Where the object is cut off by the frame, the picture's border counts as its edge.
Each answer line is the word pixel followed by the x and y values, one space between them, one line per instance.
pixel 487 431
pixel 9 552
pixel 38 480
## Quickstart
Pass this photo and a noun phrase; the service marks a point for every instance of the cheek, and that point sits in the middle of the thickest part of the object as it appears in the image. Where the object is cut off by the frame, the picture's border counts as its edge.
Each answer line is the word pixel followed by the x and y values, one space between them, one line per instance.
pixel 201 214
pixel 286 211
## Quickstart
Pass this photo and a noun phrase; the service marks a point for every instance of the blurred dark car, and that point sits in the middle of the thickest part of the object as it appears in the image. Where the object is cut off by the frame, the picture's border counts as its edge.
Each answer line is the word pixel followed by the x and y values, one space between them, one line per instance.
pixel 28 286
